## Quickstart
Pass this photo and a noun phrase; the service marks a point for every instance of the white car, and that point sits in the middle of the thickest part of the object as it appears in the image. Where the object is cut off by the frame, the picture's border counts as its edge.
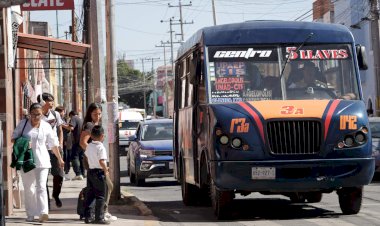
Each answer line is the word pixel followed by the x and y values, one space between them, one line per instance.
pixel 128 123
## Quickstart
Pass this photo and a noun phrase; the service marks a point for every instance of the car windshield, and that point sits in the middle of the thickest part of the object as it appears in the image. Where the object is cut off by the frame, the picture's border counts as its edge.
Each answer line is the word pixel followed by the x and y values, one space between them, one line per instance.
pixel 257 73
pixel 375 129
pixel 157 131
pixel 129 125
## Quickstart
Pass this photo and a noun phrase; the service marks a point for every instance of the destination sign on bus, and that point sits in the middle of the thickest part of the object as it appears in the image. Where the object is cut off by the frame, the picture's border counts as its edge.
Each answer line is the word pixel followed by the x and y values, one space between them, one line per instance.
pixel 308 53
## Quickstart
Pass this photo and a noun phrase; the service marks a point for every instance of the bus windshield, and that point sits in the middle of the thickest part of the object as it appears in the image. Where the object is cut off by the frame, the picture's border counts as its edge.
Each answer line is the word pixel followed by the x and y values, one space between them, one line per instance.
pixel 253 73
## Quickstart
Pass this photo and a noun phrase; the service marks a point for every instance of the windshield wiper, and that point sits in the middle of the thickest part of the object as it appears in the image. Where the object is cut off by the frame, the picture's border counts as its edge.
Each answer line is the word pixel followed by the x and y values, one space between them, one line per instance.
pixel 298 48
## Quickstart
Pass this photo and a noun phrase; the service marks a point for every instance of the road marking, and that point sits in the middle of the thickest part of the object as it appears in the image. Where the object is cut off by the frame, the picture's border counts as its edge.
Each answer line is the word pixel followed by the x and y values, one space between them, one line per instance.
pixel 330 222
pixel 260 223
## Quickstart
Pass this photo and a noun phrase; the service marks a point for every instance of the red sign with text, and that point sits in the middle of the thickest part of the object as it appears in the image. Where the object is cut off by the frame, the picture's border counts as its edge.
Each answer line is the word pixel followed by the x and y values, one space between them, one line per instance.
pixel 32 5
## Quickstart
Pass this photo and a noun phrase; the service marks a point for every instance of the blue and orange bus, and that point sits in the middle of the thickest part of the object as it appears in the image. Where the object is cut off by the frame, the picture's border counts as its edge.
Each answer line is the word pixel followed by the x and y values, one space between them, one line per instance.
pixel 273 107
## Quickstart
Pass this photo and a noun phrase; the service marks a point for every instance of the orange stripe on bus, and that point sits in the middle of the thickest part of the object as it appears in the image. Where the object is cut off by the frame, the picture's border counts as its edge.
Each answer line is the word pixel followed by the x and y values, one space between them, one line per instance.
pixel 290 108
pixel 329 115
pixel 255 117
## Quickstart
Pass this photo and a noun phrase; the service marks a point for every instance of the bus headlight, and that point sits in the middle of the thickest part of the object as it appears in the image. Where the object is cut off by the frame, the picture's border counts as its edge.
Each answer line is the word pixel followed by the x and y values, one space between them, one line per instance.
pixel 223 140
pixel 360 137
pixel 349 141
pixel 236 142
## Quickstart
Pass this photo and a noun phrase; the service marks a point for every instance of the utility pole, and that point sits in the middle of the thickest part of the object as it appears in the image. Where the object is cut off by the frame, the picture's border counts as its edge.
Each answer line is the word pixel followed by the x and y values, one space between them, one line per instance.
pixel 213 11
pixel 75 76
pixel 112 101
pixel 95 76
pixel 171 39
pixel 375 47
pixel 154 83
pixel 180 5
pixel 163 44
pixel 58 64
pixel 143 72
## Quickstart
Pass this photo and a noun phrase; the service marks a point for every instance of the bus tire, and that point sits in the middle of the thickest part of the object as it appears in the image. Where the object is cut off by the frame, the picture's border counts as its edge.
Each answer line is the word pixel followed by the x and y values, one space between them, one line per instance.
pixel 221 201
pixel 189 192
pixel 313 197
pixel 350 200
pixel 205 184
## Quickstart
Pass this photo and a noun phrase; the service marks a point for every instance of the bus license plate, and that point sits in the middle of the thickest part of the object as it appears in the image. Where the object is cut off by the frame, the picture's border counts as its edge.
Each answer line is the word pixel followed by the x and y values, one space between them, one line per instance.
pixel 264 173
pixel 171 165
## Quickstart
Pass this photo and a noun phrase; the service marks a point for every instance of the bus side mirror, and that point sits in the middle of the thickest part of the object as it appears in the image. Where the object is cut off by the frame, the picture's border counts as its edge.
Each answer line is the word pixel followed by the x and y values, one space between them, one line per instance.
pixel 362 59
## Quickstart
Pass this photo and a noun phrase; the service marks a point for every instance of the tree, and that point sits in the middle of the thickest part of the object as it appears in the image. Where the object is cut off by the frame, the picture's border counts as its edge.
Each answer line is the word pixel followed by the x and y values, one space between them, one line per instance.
pixel 131 85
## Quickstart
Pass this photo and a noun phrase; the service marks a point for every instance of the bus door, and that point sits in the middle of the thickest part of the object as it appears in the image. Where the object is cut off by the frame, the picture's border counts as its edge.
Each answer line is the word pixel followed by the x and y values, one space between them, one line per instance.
pixel 185 120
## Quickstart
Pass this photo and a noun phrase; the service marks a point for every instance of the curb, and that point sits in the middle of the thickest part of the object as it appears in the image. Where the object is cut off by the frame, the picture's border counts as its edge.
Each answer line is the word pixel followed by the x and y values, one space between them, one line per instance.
pixel 134 201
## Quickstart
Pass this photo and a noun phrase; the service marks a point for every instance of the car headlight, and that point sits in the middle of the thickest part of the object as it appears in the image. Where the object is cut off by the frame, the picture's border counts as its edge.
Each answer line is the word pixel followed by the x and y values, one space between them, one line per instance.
pixel 146 153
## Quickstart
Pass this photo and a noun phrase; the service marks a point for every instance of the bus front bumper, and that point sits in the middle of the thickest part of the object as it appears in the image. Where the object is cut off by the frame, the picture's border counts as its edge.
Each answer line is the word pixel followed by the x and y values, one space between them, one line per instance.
pixel 292 175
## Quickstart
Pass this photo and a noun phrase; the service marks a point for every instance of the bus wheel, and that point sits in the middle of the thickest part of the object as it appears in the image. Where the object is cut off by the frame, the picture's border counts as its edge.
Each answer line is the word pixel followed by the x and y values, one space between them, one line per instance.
pixel 221 201
pixel 350 200
pixel 205 185
pixel 313 197
pixel 189 192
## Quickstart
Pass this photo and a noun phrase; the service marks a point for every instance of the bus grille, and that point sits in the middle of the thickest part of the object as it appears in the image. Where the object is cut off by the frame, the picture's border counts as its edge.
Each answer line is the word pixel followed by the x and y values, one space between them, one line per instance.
pixel 294 137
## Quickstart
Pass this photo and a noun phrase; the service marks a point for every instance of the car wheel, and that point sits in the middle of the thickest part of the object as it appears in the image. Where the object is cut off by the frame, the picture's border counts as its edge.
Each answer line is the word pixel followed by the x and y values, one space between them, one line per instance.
pixel 350 200
pixel 132 176
pixel 139 181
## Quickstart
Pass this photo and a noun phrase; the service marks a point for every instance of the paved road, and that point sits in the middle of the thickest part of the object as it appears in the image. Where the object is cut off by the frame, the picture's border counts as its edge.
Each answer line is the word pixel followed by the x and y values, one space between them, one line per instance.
pixel 163 197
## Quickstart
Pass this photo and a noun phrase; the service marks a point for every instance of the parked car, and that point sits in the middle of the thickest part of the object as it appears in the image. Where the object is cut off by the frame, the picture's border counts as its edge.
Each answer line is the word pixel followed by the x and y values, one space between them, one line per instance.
pixel 129 121
pixel 151 151
pixel 374 123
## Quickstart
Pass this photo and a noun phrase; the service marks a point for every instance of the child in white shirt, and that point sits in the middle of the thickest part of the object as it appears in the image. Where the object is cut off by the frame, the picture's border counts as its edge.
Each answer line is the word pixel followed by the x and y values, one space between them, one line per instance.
pixel 96 176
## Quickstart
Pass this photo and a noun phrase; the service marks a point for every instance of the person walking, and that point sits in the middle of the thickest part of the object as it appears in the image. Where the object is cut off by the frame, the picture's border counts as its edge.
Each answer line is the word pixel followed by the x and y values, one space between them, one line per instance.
pixel 39 133
pixel 66 130
pixel 93 117
pixel 54 119
pixel 96 181
pixel 77 153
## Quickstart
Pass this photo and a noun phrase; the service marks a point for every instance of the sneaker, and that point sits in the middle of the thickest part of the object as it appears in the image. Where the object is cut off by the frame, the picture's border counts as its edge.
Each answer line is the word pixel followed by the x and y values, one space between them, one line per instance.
pixel 29 218
pixel 43 217
pixel 102 221
pixel 109 217
pixel 79 177
pixel 67 177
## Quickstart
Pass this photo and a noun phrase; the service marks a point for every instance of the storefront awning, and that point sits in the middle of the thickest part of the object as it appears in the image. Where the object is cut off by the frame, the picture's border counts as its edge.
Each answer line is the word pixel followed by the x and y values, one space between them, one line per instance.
pixel 52 46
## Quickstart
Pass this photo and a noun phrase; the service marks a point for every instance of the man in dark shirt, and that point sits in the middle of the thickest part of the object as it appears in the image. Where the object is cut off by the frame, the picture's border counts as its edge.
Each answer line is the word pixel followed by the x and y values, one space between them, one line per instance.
pixel 76 153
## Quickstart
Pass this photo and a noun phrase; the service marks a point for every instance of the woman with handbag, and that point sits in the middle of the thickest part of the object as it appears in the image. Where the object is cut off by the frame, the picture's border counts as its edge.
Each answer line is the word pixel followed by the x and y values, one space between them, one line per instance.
pixel 40 135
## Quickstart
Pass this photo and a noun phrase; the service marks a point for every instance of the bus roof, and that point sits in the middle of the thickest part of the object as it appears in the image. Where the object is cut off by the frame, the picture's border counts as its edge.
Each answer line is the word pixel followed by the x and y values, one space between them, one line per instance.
pixel 268 32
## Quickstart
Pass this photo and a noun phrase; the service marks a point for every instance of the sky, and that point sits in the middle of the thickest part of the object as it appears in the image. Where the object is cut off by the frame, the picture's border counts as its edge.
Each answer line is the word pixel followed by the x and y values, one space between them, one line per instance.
pixel 139 28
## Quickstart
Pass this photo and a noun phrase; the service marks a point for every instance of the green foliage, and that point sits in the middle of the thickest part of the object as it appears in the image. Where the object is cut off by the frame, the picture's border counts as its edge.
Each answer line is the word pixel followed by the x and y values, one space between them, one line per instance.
pixel 128 80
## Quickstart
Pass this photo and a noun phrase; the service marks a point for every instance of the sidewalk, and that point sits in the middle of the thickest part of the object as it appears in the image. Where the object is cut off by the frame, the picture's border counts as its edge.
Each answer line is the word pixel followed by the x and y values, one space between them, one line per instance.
pixel 130 211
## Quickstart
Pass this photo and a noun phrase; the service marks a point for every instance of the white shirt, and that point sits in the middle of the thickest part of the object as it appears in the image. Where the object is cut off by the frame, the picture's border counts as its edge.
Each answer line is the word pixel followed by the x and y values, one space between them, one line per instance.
pixel 53 121
pixel 95 151
pixel 41 138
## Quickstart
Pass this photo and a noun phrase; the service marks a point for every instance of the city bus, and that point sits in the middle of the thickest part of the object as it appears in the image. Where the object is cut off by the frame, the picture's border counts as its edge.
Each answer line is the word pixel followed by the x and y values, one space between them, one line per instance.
pixel 273 107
